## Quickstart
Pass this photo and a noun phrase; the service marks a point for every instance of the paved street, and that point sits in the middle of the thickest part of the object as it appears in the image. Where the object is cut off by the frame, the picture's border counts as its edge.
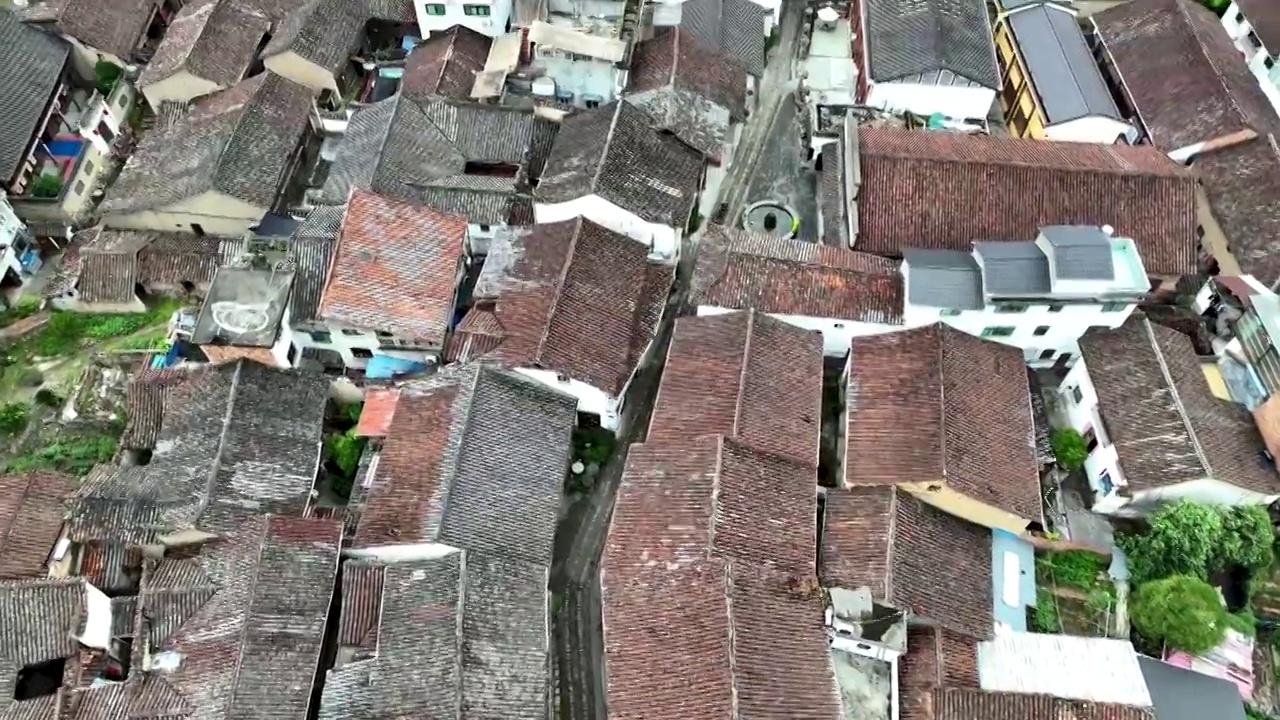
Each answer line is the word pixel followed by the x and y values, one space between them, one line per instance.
pixel 578 638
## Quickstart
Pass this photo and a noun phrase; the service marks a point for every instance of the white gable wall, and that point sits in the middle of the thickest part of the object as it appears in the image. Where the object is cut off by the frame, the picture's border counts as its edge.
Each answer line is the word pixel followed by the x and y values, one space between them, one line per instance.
pixel 663 241
pixel 969 102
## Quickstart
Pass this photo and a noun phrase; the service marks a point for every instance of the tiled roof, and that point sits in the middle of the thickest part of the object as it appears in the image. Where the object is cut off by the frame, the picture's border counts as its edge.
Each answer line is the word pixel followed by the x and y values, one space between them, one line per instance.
pixel 241 625
pixel 1264 17
pixel 237 142
pixel 1213 95
pixel 745 376
pixel 322 32
pixel 475 458
pixel 1241 184
pixel 145 404
pixel 215 40
pixel 738 269
pixel 31 65
pixel 173 258
pixel 110 26
pixel 961 704
pixel 400 148
pixel 446 64
pixel 935 404
pixel 395 269
pixel 938 657
pixel 711 498
pixel 311 257
pixel 41 620
pixel 1005 189
pixel 911 555
pixel 362 584
pixel 375 415
pixel 616 153
pixel 1164 421
pixel 241 439
pixel 30 520
pixel 833 211
pixel 572 297
pixel 737 641
pixel 732 26
pixel 682 82
pixel 908 39
pixel 458 636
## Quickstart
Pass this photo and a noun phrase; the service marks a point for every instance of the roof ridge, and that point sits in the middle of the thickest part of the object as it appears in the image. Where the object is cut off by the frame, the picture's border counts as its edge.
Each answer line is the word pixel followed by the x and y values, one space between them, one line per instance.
pixel 1177 399
pixel 942 398
pixel 1218 75
pixel 726 576
pixel 742 373
pixel 715 495
pixel 452 476
pixel 560 281
pixel 608 142
pixel 212 479
pixel 244 629
pixel 888 552
pixel 459 633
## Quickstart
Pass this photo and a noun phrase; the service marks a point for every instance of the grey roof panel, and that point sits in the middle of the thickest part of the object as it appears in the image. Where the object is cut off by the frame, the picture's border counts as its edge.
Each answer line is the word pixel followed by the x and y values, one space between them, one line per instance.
pixel 1180 694
pixel 943 279
pixel 1013 268
pixel 31 64
pixel 913 37
pixel 1080 252
pixel 736 27
pixel 1061 66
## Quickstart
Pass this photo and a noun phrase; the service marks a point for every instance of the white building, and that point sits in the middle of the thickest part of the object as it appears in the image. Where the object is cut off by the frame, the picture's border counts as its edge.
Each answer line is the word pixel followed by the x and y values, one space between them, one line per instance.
pixel 1154 429
pixel 1040 295
pixel 1254 26
pixel 18 254
pixel 582 61
pixel 487 17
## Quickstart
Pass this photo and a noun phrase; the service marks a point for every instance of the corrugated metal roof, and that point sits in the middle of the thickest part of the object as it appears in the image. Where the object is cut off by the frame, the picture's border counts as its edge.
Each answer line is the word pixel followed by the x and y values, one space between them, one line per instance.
pixel 1063 666
pixel 1013 268
pixel 943 278
pixel 1080 252
pixel 1062 68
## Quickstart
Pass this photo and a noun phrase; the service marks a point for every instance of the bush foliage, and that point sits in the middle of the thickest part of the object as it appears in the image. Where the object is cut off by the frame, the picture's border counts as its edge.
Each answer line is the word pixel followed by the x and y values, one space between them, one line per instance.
pixel 13 418
pixel 1247 538
pixel 1182 539
pixel 1068 448
pixel 1182 611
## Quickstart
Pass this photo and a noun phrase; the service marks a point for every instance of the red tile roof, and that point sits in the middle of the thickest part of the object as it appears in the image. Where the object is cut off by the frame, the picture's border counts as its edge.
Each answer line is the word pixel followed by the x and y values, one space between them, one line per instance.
pixel 375 416
pixel 962 704
pixel 937 404
pixel 446 64
pixel 1005 189
pixel 675 59
pixel 737 269
pixel 910 555
pixel 572 297
pixel 361 605
pixel 937 657
pixel 745 376
pixel 1241 184
pixel 31 509
pixel 681 502
pixel 395 268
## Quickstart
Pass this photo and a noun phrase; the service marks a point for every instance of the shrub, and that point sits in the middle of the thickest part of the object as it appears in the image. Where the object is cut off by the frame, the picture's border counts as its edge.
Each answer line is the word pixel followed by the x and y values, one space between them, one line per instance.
pixel 13 418
pixel 47 186
pixel 1182 539
pixel 48 398
pixel 1068 448
pixel 1247 538
pixel 1044 617
pixel 593 445
pixel 105 77
pixel 1075 568
pixel 1183 612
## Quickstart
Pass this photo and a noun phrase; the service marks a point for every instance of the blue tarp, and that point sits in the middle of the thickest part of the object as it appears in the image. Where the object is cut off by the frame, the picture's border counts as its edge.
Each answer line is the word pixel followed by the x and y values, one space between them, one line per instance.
pixel 385 366
pixel 1004 547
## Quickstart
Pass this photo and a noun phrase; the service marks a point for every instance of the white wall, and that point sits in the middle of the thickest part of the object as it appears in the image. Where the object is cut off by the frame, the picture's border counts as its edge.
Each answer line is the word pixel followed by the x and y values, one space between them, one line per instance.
pixel 581 76
pixel 97 619
pixel 1094 129
pixel 837 334
pixel 401 553
pixel 1082 416
pixel 590 399
pixel 1238 28
pixel 345 339
pixel 493 25
pixel 954 102
pixel 663 241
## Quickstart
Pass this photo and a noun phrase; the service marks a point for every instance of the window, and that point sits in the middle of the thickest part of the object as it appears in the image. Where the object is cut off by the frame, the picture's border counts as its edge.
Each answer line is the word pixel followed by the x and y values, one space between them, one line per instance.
pixel 361 353
pixel 1011 308
pixel 950 312
pixel 1090 439
pixel 1077 396
pixel 349 331
pixel 1268 63
pixel 435 9
pixel 1199 232
pixel 1042 330
pixel 383 334
pixel 1002 331
pixel 1105 486
pixel 79 187
pixel 484 228
pixel 838 326
pixel 592 104
pixel 1048 354
pixel 475 10
pixel 88 167
pixel 320 337
pixel 1114 306
pixel 1056 307
pixel 197 229
pixel 1063 359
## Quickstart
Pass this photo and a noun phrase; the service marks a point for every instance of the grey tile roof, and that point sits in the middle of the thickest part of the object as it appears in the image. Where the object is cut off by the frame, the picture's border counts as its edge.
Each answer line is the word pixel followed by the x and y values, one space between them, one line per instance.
pixel 906 38
pixel 110 26
pixel 215 40
pixel 736 27
pixel 1080 252
pixel 311 257
pixel 239 440
pixel 1062 69
pixel 168 259
pixel 31 66
pixel 323 32
pixel 458 636
pixel 40 621
pixel 947 279
pixel 237 142
pixel 615 152
pixel 1180 694
pixel 411 150
pixel 1013 268
pixel 446 64
pixel 492 443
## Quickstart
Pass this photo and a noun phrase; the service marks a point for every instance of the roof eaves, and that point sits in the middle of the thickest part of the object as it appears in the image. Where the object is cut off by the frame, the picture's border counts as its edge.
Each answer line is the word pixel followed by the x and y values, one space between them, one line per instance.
pixel 1213 65
pixel 727 586
pixel 888 546
pixel 459 630
pixel 742 373
pixel 1177 399
pixel 608 143
pixel 560 280
pixel 715 495
pixel 939 329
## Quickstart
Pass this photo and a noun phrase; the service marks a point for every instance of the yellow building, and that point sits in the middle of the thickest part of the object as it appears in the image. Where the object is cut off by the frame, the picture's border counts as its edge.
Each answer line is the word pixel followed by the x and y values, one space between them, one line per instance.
pixel 1052 87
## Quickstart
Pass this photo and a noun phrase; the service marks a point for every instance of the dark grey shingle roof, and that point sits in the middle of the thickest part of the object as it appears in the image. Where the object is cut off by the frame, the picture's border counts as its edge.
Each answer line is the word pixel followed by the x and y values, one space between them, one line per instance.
pixel 311 257
pixel 1180 694
pixel 31 65
pixel 736 27
pixel 911 37
pixel 324 32
pixel 1080 252
pixel 943 278
pixel 1062 68
pixel 1013 268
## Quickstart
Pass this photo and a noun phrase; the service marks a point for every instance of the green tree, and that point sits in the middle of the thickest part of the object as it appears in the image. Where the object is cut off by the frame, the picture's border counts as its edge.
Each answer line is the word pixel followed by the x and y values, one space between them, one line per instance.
pixel 105 77
pixel 1182 539
pixel 47 186
pixel 1247 538
pixel 13 418
pixel 1181 611
pixel 1068 448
